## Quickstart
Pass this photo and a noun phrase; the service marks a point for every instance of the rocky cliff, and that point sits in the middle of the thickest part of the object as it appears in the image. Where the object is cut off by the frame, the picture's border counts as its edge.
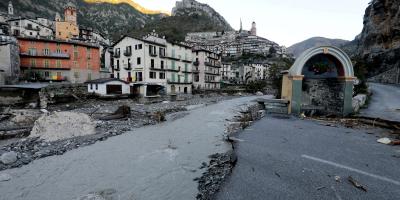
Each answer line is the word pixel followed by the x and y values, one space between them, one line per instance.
pixel 187 16
pixel 192 7
pixel 379 43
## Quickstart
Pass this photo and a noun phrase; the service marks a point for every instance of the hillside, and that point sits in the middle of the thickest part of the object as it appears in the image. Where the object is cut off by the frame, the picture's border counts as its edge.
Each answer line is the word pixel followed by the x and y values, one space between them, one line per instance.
pixel 187 16
pixel 109 19
pixel 298 48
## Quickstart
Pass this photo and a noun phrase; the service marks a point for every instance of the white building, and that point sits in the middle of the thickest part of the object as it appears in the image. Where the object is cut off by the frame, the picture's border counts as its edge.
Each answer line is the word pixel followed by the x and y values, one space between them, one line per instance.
pixel 9 60
pixel 206 70
pixel 153 65
pixel 108 87
pixel 23 27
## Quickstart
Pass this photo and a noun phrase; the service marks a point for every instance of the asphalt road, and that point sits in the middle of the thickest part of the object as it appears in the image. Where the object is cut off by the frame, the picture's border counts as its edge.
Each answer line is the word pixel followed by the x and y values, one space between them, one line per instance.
pixel 385 102
pixel 298 159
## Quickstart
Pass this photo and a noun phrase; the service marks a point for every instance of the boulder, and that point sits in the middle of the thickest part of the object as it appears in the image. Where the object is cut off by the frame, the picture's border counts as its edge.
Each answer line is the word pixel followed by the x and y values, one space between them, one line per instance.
pixel 5 177
pixel 259 93
pixel 9 158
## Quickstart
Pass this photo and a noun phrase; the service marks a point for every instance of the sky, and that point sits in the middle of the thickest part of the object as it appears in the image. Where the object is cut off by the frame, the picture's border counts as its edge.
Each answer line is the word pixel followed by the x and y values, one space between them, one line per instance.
pixel 287 21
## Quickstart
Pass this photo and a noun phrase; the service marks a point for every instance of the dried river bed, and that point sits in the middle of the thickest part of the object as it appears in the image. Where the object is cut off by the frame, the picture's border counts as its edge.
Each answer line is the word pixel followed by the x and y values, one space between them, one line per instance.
pixel 154 162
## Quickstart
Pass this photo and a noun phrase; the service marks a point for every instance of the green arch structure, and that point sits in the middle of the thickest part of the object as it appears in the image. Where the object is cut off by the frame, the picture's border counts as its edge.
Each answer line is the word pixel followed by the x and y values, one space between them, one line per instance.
pixel 293 78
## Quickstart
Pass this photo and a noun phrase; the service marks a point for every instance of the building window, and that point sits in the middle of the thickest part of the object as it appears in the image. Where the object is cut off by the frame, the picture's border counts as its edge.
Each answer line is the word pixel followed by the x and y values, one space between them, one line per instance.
pixel 97 86
pixel 88 53
pixel 139 61
pixel 91 86
pixel 89 65
pixel 75 55
pixel 153 75
pixel 46 63
pixel 75 63
pixel 46 74
pixel 46 52
pixel 136 46
pixel 58 63
pixel 89 76
pixel 32 51
pixel 196 78
pixel 162 75
pixel 33 63
pixel 140 46
pixel 76 75
pixel 139 76
pixel 162 64
pixel 152 63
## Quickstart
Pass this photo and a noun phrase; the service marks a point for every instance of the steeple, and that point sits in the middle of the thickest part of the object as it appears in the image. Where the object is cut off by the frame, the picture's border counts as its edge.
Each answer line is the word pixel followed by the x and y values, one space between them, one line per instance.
pixel 10 8
pixel 241 25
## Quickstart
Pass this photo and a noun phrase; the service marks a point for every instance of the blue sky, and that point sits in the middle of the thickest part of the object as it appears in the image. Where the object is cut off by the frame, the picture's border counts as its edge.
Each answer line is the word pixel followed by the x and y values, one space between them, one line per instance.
pixel 287 21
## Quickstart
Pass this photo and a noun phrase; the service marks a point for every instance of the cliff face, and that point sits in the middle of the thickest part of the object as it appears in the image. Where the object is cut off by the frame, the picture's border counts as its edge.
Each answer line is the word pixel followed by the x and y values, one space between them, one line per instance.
pixel 192 7
pixel 379 43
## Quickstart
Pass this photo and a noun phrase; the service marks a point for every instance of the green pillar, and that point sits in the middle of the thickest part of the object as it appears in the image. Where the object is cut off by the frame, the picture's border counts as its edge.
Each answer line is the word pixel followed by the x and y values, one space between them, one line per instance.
pixel 348 98
pixel 296 96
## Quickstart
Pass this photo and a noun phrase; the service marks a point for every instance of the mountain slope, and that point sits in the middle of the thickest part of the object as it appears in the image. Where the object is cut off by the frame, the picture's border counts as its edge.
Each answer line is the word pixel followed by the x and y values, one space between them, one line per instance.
pixel 187 16
pixel 109 19
pixel 298 48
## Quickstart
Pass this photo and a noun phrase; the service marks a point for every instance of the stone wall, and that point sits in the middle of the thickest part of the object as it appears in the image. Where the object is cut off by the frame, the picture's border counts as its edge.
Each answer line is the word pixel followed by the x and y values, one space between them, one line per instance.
pixel 327 93
pixel 391 76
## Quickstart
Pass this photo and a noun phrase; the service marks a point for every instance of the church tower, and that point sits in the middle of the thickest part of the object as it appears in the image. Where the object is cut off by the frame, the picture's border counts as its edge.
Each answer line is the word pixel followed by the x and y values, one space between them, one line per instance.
pixel 70 13
pixel 58 17
pixel 253 30
pixel 10 8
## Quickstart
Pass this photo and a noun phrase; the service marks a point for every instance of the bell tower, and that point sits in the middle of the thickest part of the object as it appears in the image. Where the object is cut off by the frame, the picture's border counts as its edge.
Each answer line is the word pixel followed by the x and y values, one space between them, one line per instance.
pixel 10 8
pixel 253 30
pixel 70 13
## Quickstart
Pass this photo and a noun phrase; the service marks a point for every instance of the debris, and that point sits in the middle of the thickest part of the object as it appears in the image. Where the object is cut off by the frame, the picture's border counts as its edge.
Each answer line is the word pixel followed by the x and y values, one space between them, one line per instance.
pixel 337 178
pixel 9 158
pixel 259 93
pixel 321 188
pixel 384 141
pixel 395 143
pixel 303 116
pixel 277 174
pixel 121 113
pixel 5 177
pixel 356 184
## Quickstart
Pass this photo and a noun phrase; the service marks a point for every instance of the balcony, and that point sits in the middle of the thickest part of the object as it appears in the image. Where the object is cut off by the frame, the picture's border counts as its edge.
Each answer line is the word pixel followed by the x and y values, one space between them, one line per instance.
pixel 117 55
pixel 171 57
pixel 172 70
pixel 42 55
pixel 217 64
pixel 153 54
pixel 212 73
pixel 196 63
pixel 196 71
pixel 128 67
pixel 127 53
pixel 32 28
pixel 178 82
pixel 186 60
pixel 117 69
pixel 157 68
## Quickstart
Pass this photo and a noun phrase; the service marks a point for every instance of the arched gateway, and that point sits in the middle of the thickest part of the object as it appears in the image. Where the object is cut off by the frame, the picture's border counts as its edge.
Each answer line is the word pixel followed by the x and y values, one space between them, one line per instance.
pixel 321 79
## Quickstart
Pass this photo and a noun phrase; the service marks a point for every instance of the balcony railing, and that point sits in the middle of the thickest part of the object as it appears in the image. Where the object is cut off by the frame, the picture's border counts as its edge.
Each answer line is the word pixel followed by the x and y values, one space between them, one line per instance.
pixel 196 71
pixel 127 53
pixel 128 67
pixel 171 57
pixel 49 55
pixel 117 69
pixel 196 63
pixel 153 54
pixel 177 82
pixel 117 55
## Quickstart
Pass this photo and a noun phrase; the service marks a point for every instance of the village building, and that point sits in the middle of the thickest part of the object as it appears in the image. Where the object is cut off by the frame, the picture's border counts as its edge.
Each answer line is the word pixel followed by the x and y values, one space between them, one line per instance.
pixel 9 60
pixel 24 27
pixel 58 60
pixel 67 28
pixel 154 64
pixel 206 70
pixel 105 87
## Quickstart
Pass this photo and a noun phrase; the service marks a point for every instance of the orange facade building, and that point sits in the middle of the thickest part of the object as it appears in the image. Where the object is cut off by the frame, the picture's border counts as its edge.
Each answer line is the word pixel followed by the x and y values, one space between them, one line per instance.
pixel 59 60
pixel 67 29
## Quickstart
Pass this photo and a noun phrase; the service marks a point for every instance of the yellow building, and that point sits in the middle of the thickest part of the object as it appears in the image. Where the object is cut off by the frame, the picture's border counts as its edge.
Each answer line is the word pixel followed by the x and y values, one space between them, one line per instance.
pixel 68 28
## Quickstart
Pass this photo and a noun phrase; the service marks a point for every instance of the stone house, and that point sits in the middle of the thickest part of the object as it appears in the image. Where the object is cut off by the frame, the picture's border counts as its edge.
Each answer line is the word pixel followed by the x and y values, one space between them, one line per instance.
pixel 24 27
